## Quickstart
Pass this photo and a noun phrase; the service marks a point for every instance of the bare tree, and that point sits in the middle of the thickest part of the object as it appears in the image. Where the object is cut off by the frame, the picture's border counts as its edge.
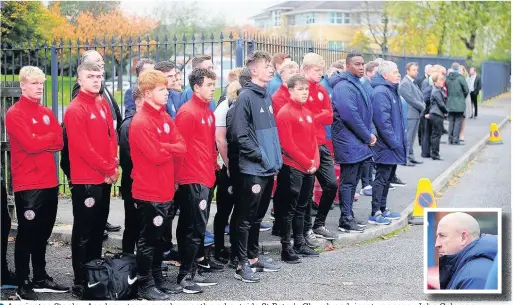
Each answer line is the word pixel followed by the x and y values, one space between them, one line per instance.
pixel 380 32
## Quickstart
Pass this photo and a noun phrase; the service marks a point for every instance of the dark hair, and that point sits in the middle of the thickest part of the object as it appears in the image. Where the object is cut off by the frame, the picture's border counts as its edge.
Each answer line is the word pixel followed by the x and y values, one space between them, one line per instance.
pixel 199 59
pixel 164 66
pixel 411 64
pixel 141 63
pixel 136 94
pixel 257 55
pixel 296 79
pixel 352 55
pixel 198 75
pixel 245 77
pixel 89 66
pixel 370 66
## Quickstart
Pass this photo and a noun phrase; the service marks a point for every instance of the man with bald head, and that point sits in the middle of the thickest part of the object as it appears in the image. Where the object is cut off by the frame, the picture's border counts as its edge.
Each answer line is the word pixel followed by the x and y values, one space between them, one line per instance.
pixel 465 257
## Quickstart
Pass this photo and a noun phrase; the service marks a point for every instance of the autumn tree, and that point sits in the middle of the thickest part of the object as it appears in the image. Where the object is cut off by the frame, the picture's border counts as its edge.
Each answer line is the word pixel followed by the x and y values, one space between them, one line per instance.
pixel 361 42
pixel 377 18
pixel 73 9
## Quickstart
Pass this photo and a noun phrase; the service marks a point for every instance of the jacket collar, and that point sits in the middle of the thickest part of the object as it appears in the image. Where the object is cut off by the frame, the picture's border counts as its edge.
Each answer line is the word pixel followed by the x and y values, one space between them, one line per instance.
pixel 198 101
pixel 87 97
pixel 147 108
pixel 28 103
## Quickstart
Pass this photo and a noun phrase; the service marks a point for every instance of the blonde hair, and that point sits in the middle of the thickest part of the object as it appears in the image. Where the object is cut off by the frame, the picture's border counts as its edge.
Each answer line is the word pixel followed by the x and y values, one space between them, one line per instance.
pixel 313 59
pixel 437 76
pixel 287 66
pixel 150 79
pixel 233 75
pixel 233 92
pixel 463 71
pixel 31 72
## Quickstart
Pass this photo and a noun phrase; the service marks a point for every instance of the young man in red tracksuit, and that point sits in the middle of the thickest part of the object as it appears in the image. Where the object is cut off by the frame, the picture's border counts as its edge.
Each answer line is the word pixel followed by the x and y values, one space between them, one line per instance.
pixel 34 136
pixel 195 176
pixel 154 144
pixel 321 107
pixel 93 148
pixel 279 99
pixel 297 133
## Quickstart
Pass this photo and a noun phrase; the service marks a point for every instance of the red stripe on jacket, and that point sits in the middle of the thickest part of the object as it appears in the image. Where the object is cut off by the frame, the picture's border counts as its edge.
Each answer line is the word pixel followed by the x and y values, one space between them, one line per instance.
pixel 34 135
pixel 195 121
pixel 297 133
pixel 92 140
pixel 154 143
pixel 319 104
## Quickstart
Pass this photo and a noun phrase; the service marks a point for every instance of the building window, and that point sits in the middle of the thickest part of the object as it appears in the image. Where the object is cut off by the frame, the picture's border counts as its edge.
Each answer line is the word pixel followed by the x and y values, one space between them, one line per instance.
pixel 336 18
pixel 276 16
pixel 335 46
pixel 346 18
pixel 309 18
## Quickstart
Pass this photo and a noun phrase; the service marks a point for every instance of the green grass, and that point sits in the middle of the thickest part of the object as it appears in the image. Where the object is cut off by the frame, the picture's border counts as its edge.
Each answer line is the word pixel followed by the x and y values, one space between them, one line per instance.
pixel 66 85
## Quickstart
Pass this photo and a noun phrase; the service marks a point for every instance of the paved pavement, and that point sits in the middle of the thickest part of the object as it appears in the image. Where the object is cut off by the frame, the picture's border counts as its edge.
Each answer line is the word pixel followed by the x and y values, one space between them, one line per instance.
pixel 389 269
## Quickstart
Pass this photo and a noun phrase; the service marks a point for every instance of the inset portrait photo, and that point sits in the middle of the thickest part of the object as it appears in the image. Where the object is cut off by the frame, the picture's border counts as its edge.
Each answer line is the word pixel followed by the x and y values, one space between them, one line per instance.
pixel 462 251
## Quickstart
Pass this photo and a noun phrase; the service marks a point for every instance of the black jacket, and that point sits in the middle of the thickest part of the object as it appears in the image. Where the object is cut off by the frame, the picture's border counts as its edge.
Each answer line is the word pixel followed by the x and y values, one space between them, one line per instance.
pixel 437 102
pixel 477 86
pixel 125 160
pixel 255 129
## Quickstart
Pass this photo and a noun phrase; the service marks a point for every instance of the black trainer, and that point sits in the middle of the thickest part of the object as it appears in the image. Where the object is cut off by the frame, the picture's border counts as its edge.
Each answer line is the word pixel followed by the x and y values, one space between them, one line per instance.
pixel 264 265
pixel 222 256
pixel 305 251
pixel 189 286
pixel 77 291
pixel 152 293
pixel 206 265
pixel 246 274
pixel 233 263
pixel 202 281
pixel 112 228
pixel 288 256
pixel 350 226
pixel 8 280
pixel 397 182
pixel 165 286
pixel 171 255
pixel 48 285
pixel 25 292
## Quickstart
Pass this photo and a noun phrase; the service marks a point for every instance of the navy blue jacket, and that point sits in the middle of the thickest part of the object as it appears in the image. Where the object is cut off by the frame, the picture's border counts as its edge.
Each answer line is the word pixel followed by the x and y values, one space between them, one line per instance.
pixel 324 83
pixel 469 268
pixel 391 146
pixel 353 115
pixel 274 84
pixel 186 96
pixel 174 102
pixel 125 159
pixel 256 132
pixel 128 102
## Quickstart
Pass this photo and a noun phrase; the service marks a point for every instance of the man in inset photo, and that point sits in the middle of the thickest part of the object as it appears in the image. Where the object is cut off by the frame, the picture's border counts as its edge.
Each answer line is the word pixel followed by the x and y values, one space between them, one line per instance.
pixel 465 256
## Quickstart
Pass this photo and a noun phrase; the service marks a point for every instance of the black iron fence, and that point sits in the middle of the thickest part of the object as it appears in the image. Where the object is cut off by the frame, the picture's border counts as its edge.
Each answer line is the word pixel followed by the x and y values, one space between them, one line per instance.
pixel 59 60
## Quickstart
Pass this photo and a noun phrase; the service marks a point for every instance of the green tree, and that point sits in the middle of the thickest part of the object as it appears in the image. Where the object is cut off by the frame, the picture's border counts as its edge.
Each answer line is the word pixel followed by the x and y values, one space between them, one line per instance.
pixel 72 9
pixel 20 22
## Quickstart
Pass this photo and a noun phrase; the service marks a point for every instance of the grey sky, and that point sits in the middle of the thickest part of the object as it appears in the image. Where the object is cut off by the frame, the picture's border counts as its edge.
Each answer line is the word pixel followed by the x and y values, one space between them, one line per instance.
pixel 238 12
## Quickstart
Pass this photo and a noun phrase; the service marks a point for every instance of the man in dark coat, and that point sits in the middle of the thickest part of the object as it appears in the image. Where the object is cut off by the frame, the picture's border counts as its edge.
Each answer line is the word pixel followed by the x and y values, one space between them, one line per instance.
pixel 352 135
pixel 476 80
pixel 391 147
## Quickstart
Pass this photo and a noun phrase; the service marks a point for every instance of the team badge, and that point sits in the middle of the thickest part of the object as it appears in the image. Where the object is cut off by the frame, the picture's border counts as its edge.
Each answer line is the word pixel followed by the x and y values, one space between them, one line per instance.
pixel 157 221
pixel 256 188
pixel 29 214
pixel 320 96
pixel 46 119
pixel 309 119
pixel 203 204
pixel 89 202
pixel 229 190
pixel 166 128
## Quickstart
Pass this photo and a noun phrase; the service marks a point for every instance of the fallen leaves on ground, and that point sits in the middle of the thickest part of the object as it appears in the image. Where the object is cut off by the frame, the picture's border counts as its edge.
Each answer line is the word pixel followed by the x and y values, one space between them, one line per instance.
pixel 329 247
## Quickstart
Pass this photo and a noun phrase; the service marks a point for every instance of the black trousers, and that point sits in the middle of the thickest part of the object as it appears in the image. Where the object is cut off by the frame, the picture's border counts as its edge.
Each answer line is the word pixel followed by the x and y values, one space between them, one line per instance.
pixel 36 211
pixel 6 227
pixel 455 119
pixel 278 206
pixel 131 231
pixel 437 123
pixel 326 176
pixel 385 172
pixel 224 203
pixel 474 103
pixel 150 244
pixel 421 129
pixel 367 173
pixel 91 204
pixel 254 198
pixel 297 187
pixel 194 214
pixel 348 180
pixel 426 138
